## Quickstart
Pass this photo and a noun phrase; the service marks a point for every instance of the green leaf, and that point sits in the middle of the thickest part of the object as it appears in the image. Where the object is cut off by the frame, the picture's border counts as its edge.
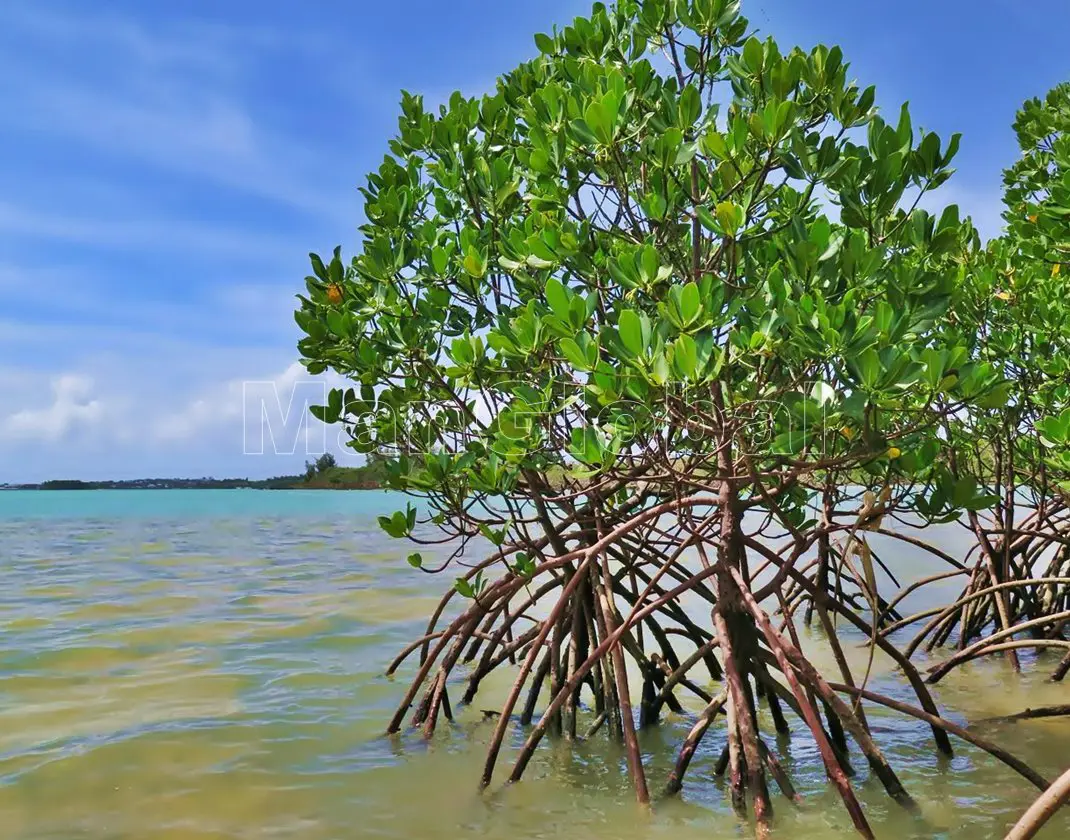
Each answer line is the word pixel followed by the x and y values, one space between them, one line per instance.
pixel 690 303
pixel 587 446
pixel 730 216
pixel 318 268
pixel 964 490
pixel 583 132
pixel 1053 429
pixel 997 397
pixel 335 271
pixel 416 560
pixel 575 355
pixel 461 350
pixel 557 298
pixel 686 154
pixel 791 442
pixel 598 121
pixel 337 323
pixel 685 357
pixel 935 364
pixel 396 525
pixel 752 54
pixel 474 263
pixel 495 537
pixel 334 402
pixel 981 502
pixel 631 332
pixel 440 260
pixel 690 106
pixel 707 220
pixel 869 367
pixel 884 316
pixel 524 566
pixel 905 132
pixel 649 263
pixel 659 370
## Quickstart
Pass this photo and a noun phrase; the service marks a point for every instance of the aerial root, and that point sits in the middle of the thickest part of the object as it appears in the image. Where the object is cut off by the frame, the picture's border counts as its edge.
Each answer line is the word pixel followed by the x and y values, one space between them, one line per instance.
pixel 579 623
pixel 691 742
pixel 1028 714
pixel 995 751
pixel 1042 810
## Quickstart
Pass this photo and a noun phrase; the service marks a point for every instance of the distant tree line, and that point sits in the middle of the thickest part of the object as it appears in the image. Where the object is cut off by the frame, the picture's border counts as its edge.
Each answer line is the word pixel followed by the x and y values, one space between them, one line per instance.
pixel 323 473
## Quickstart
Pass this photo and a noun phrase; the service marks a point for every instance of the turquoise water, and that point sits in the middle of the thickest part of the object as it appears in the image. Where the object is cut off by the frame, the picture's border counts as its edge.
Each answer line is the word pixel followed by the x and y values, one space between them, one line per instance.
pixel 193 504
pixel 208 664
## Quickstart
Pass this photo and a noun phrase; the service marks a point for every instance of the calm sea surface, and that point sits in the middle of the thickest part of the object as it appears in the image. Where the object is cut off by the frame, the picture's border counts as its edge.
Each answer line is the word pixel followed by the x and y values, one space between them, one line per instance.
pixel 208 664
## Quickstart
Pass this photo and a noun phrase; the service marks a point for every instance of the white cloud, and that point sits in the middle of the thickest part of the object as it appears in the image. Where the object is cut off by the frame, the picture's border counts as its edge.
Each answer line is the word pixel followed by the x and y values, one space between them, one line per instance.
pixel 74 409
pixel 220 405
pixel 260 416
pixel 120 420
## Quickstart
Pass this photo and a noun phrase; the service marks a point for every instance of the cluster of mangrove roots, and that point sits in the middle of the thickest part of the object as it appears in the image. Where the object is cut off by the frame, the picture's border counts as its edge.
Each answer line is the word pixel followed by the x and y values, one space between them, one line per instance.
pixel 1016 596
pixel 614 590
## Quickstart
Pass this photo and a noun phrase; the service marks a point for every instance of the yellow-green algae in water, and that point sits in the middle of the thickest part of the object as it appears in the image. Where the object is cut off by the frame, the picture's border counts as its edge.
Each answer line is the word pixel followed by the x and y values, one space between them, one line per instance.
pixel 188 678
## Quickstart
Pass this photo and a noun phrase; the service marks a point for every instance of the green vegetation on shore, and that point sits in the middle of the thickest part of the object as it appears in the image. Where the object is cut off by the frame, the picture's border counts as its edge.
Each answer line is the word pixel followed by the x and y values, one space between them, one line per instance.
pixel 322 474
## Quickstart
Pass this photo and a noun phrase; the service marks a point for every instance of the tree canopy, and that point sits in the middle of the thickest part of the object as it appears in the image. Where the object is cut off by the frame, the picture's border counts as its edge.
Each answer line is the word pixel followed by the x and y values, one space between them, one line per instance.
pixel 618 263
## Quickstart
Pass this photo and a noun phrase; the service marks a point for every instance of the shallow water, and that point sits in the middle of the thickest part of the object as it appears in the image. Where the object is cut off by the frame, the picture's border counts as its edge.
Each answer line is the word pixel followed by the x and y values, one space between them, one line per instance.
pixel 208 664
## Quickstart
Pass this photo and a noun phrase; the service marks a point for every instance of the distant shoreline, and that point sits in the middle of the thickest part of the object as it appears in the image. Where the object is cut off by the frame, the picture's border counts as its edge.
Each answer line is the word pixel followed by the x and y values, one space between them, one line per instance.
pixel 334 478
pixel 91 486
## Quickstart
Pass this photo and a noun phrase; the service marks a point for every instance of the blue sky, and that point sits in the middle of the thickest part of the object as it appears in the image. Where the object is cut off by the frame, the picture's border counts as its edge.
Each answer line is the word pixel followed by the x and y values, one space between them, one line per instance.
pixel 165 169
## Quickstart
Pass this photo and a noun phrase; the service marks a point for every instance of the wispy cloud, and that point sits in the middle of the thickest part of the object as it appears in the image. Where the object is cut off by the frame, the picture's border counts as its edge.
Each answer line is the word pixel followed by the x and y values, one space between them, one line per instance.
pixel 201 134
pixel 56 302
pixel 212 46
pixel 172 98
pixel 162 178
pixel 157 233
pixel 159 221
pixel 264 415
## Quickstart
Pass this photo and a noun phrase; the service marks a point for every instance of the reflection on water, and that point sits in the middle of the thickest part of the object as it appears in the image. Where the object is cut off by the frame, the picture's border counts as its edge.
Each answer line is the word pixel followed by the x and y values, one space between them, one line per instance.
pixel 217 674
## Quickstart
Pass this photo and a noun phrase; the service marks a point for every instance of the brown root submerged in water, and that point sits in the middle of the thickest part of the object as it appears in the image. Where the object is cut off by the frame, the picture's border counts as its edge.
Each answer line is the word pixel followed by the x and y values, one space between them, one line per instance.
pixel 1042 810
pixel 610 600
pixel 1016 598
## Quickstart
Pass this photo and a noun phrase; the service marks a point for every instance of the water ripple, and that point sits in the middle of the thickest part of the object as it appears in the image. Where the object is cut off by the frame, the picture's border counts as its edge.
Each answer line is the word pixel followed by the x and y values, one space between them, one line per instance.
pixel 210 666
